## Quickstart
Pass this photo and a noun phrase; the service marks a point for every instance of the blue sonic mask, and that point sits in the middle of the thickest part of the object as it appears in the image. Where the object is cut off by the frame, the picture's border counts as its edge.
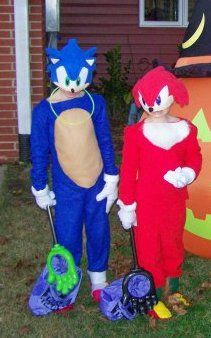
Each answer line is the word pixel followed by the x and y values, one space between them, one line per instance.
pixel 71 68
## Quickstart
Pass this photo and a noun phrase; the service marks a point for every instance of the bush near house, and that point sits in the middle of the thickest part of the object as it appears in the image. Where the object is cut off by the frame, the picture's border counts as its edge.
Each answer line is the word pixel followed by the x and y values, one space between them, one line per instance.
pixel 115 87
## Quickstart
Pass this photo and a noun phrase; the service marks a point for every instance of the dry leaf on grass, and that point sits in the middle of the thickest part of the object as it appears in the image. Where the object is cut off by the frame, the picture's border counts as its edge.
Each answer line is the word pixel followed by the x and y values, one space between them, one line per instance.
pixel 4 240
pixel 200 291
pixel 120 266
pixel 64 314
pixel 179 310
pixel 24 264
pixel 22 299
pixel 206 285
pixel 172 300
pixel 104 319
pixel 177 300
pixel 24 329
pixel 17 192
pixel 152 322
pixel 117 244
pixel 83 309
pixel 30 281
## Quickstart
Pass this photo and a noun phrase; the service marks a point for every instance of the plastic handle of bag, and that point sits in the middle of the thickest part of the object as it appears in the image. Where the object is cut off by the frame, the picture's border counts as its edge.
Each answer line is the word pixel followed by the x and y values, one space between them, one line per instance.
pixel 133 245
pixel 51 224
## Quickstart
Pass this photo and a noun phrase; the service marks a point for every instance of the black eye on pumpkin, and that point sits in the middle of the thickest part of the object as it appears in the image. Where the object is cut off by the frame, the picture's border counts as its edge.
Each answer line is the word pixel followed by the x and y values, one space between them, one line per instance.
pixel 158 100
pixel 67 81
pixel 78 81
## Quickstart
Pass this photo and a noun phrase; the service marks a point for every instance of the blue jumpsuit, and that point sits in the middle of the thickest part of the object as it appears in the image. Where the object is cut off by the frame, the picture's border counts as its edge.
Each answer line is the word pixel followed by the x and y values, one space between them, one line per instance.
pixel 75 205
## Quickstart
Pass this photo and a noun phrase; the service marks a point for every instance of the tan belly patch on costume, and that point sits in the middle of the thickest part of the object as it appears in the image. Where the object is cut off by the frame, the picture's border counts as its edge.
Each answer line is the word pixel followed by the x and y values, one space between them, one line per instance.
pixel 77 147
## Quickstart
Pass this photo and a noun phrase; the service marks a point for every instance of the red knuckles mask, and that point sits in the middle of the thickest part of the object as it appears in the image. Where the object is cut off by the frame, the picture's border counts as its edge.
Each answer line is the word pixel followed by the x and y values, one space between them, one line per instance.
pixel 158 89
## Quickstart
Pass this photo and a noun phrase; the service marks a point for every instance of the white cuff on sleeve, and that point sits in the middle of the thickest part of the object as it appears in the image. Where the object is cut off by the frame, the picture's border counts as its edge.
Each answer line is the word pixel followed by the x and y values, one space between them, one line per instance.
pixel 38 193
pixel 127 208
pixel 97 277
pixel 111 178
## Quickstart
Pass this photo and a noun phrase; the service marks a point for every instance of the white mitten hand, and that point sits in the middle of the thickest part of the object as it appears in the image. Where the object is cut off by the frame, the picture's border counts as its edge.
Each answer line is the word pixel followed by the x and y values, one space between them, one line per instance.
pixel 180 177
pixel 127 214
pixel 110 191
pixel 44 197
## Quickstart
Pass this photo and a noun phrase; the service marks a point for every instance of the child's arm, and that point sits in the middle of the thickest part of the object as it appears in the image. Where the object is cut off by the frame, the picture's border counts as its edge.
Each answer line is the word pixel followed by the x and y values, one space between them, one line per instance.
pixel 193 153
pixel 129 167
pixel 128 177
pixel 39 146
pixel 192 164
pixel 40 156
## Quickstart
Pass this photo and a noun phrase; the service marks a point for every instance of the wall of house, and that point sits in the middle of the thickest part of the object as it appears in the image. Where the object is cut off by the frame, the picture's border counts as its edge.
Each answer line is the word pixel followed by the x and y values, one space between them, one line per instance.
pixel 8 117
pixel 105 23
pixel 37 47
pixel 8 108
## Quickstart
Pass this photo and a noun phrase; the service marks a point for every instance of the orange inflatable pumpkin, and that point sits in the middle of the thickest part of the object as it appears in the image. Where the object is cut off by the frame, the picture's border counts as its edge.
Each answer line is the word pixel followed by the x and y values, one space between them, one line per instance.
pixel 197 234
pixel 194 67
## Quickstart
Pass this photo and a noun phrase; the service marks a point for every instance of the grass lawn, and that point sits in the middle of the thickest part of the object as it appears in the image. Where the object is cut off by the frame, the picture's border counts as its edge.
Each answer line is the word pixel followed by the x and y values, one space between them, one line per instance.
pixel 25 240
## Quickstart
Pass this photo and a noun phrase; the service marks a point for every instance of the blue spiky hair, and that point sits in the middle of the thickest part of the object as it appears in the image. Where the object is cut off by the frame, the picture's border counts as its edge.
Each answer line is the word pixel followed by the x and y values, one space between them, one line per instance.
pixel 73 59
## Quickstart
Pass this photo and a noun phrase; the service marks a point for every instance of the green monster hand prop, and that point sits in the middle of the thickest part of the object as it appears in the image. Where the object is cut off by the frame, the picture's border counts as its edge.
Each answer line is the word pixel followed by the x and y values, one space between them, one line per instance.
pixel 66 281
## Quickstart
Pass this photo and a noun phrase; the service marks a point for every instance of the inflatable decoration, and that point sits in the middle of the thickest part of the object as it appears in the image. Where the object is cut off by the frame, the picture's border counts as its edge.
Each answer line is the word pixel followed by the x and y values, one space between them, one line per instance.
pixel 194 67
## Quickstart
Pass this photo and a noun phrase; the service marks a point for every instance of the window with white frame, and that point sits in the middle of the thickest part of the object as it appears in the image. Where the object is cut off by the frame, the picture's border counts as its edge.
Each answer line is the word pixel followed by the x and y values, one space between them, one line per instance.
pixel 165 13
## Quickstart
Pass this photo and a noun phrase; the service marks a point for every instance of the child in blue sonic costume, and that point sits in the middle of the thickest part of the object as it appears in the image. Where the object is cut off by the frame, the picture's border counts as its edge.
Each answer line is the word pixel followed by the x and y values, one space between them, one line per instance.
pixel 70 131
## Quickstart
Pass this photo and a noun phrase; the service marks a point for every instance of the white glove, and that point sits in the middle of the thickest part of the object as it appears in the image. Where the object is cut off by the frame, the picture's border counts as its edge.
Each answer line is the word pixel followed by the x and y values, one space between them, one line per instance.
pixel 127 214
pixel 110 191
pixel 44 197
pixel 180 177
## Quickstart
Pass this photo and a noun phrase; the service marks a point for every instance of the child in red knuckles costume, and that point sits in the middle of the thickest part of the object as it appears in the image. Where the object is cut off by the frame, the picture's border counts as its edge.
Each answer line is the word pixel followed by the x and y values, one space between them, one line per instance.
pixel 161 156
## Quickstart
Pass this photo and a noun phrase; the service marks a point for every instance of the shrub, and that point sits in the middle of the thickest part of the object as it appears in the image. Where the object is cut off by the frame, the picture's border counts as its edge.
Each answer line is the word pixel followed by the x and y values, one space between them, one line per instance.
pixel 115 87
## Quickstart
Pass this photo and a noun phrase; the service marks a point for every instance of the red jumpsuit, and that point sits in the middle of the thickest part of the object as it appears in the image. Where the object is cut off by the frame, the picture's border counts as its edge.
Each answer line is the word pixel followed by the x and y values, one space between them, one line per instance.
pixel 160 206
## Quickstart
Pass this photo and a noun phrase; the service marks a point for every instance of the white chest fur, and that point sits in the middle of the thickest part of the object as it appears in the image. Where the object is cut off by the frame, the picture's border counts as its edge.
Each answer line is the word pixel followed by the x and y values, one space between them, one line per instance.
pixel 166 135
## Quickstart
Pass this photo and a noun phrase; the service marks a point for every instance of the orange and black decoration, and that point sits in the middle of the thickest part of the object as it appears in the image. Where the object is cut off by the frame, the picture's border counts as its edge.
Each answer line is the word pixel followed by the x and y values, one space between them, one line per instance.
pixel 195 50
pixel 194 68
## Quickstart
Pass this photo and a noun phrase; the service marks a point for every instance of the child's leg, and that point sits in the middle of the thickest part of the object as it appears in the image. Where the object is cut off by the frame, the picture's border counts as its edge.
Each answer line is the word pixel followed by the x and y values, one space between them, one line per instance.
pixel 148 246
pixel 173 251
pixel 98 239
pixel 69 214
pixel 172 242
pixel 68 227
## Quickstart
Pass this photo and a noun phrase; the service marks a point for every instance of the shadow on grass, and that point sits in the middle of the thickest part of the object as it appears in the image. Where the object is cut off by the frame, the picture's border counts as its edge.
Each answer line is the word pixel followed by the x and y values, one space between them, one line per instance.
pixel 25 240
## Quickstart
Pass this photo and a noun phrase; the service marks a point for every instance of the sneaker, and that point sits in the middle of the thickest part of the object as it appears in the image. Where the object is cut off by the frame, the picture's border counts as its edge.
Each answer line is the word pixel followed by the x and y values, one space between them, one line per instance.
pixel 96 295
pixel 64 309
pixel 98 283
pixel 160 311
